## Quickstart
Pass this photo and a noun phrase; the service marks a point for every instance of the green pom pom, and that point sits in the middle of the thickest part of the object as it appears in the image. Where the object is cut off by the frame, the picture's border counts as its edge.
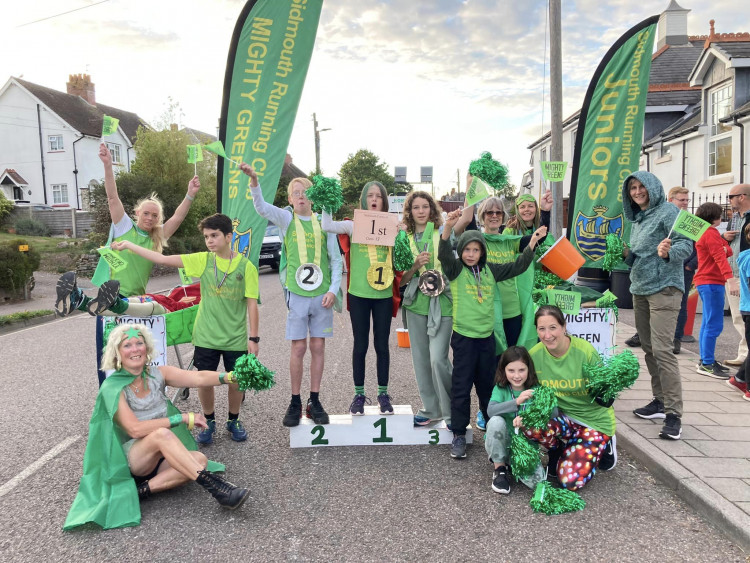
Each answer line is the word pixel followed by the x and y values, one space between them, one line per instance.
pixel 251 374
pixel 613 253
pixel 609 377
pixel 549 500
pixel 403 259
pixel 607 301
pixel 539 410
pixel 524 456
pixel 489 171
pixel 325 193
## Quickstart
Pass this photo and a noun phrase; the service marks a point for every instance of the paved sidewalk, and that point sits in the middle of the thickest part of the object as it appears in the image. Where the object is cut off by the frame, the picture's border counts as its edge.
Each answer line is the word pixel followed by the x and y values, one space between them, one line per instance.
pixel 710 466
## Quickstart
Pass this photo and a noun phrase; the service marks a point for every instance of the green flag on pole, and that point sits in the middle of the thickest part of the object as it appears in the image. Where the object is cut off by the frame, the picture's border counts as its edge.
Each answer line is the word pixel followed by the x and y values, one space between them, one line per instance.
pixel 554 171
pixel 689 225
pixel 478 191
pixel 194 154
pixel 217 147
pixel 109 125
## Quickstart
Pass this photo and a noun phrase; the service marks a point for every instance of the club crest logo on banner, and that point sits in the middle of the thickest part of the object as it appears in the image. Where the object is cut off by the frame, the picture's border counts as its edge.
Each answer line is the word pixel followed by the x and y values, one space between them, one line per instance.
pixel 591 231
pixel 241 239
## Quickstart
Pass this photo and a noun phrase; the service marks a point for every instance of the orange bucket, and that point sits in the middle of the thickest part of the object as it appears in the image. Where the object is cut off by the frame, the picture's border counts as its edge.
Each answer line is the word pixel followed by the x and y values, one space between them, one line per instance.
pixel 402 337
pixel 562 259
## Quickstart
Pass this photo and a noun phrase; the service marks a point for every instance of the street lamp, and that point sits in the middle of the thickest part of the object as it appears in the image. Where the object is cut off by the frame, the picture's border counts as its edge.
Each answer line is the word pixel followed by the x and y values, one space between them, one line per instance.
pixel 317 143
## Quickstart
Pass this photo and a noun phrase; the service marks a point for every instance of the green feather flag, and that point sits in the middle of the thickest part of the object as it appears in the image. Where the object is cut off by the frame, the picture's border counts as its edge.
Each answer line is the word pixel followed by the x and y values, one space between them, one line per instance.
pixel 325 193
pixel 549 500
pixel 251 374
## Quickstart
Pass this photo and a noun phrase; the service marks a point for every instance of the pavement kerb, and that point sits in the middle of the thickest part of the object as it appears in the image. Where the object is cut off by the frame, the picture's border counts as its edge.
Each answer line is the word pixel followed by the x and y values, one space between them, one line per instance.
pixel 728 518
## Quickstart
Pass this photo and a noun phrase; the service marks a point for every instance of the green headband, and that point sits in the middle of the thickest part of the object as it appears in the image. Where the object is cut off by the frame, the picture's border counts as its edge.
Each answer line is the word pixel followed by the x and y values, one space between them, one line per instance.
pixel 525 197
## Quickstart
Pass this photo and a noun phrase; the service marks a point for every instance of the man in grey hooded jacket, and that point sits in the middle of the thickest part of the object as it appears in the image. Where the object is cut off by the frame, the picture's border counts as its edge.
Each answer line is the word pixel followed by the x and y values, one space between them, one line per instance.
pixel 657 283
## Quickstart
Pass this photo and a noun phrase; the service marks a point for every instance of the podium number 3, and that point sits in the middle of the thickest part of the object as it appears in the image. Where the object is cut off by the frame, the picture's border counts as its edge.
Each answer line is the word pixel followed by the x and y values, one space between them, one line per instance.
pixel 319 440
pixel 434 437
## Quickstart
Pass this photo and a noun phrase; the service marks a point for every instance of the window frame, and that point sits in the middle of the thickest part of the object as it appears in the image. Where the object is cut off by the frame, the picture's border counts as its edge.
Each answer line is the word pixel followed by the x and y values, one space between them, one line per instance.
pixel 719 134
pixel 60 147
pixel 58 190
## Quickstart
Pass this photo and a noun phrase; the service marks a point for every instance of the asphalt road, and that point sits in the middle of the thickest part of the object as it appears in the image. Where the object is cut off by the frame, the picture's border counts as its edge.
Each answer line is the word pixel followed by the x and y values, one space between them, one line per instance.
pixel 391 503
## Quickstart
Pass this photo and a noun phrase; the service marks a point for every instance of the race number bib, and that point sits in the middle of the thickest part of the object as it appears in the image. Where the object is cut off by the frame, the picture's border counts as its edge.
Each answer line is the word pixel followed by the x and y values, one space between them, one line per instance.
pixel 431 283
pixel 380 275
pixel 309 276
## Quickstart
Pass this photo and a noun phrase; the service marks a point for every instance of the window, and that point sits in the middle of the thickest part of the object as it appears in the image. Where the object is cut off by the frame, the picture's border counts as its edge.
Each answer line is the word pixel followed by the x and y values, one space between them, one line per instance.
pixel 544 155
pixel 56 142
pixel 720 140
pixel 115 150
pixel 59 193
pixel 664 150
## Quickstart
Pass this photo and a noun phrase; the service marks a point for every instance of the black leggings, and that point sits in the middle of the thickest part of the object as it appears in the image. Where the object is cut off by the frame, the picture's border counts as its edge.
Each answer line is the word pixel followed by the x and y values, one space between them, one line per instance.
pixel 360 309
pixel 745 367
pixel 512 329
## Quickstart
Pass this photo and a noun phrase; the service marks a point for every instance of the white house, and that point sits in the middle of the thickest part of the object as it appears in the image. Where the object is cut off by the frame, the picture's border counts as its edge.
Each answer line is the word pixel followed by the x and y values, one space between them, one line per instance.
pixel 49 141
pixel 697 109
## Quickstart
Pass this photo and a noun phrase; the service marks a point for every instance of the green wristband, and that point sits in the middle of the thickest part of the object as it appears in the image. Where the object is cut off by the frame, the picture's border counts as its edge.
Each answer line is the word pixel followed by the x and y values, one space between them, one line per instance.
pixel 175 420
pixel 221 377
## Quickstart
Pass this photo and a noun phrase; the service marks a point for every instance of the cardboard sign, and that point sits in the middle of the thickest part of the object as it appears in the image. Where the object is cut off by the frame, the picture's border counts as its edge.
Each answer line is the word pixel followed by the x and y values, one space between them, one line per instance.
pixel 689 225
pixel 478 191
pixel 184 278
pixel 597 326
pixel 115 261
pixel 374 227
pixel 569 302
pixel 554 171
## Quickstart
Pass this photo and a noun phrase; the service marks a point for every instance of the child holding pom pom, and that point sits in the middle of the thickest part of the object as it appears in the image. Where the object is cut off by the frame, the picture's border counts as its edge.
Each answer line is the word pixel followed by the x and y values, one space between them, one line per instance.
pixel 583 428
pixel 371 284
pixel 514 382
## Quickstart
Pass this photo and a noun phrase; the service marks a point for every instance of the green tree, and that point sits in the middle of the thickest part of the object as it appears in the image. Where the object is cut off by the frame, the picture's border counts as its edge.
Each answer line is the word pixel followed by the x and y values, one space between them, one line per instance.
pixel 6 207
pixel 360 168
pixel 161 167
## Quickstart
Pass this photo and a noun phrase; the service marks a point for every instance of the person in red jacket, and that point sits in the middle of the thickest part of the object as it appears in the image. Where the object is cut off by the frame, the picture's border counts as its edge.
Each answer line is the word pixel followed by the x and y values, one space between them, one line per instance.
pixel 713 274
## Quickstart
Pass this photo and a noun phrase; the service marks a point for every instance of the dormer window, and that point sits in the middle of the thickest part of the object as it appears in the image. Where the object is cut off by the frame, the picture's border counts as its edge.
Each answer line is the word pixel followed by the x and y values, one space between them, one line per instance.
pixel 720 135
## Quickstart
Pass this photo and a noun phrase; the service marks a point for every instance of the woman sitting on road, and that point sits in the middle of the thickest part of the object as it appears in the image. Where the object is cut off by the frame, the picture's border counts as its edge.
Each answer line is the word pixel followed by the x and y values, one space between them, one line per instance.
pixel 581 437
pixel 139 443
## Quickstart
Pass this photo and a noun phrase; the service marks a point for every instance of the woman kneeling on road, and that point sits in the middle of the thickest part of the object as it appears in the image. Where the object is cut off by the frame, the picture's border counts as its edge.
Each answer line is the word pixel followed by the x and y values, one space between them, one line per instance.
pixel 139 443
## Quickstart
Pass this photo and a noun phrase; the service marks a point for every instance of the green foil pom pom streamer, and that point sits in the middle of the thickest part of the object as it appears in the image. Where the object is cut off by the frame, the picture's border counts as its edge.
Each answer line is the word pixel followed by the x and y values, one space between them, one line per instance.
pixel 613 253
pixel 608 378
pixel 549 500
pixel 539 409
pixel 251 374
pixel 524 456
pixel 403 259
pixel 489 171
pixel 325 193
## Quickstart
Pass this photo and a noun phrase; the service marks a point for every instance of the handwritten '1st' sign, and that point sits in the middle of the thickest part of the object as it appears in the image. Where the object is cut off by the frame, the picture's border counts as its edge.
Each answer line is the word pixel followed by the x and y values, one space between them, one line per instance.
pixel 374 227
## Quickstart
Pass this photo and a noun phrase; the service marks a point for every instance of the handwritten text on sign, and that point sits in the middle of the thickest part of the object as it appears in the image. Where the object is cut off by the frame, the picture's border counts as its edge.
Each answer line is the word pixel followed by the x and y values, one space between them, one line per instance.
pixel 374 227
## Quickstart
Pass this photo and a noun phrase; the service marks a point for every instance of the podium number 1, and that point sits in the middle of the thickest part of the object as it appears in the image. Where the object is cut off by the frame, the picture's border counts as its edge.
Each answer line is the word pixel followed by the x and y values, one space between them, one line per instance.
pixel 383 438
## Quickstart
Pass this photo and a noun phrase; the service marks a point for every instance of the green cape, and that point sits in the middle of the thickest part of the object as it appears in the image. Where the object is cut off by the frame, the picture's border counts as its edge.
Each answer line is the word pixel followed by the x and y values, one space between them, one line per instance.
pixel 107 494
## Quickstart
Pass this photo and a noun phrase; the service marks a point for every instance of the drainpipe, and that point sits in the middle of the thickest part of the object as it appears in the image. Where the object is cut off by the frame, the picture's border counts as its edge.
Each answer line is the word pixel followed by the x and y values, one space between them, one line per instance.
pixel 742 149
pixel 684 158
pixel 75 171
pixel 127 156
pixel 41 150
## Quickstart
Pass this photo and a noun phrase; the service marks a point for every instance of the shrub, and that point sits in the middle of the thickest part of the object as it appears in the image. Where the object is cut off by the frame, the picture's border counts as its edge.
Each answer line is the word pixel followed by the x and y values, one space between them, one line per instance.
pixel 5 207
pixel 31 228
pixel 17 267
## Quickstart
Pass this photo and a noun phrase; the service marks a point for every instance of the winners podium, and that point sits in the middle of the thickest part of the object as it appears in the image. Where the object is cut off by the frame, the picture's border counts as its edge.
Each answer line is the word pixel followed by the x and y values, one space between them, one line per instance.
pixel 372 429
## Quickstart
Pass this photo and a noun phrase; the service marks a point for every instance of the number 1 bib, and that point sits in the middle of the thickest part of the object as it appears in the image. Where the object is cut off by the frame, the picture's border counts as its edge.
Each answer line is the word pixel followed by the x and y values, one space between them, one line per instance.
pixel 379 274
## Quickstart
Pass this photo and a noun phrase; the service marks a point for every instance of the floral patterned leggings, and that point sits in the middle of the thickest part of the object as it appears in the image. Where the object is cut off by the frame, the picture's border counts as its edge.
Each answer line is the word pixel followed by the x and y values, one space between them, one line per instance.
pixel 581 449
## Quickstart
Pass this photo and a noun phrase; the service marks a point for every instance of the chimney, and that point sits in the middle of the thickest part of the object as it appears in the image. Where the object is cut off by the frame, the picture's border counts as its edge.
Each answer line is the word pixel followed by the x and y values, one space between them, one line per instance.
pixel 81 85
pixel 672 26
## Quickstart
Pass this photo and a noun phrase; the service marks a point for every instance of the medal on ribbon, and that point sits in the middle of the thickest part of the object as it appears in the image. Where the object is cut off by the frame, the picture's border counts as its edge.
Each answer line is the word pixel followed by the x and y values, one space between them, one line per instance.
pixel 379 274
pixel 309 275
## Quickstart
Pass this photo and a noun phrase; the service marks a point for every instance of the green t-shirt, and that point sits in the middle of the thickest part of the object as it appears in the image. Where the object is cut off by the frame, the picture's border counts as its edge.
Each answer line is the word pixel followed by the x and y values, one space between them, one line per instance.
pixel 293 260
pixel 473 316
pixel 503 395
pixel 360 260
pixel 134 278
pixel 565 376
pixel 221 322
pixel 501 251
pixel 421 305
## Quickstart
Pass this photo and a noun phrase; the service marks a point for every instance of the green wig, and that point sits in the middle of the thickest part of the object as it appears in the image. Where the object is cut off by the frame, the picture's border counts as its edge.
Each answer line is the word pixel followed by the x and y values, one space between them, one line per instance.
pixel 383 194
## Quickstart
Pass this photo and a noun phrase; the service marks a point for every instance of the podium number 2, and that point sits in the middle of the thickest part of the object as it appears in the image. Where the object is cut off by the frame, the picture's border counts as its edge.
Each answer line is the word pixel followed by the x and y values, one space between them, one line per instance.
pixel 319 440
pixel 383 438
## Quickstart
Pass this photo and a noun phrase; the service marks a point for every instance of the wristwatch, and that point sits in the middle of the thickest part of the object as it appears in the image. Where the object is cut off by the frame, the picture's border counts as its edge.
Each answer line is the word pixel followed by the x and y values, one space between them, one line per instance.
pixel 255 339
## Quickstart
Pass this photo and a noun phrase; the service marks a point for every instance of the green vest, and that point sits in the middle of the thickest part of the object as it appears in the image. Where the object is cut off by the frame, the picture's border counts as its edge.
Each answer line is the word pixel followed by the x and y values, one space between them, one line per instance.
pixel 472 318
pixel 359 260
pixel 421 305
pixel 293 261
pixel 134 278
pixel 221 323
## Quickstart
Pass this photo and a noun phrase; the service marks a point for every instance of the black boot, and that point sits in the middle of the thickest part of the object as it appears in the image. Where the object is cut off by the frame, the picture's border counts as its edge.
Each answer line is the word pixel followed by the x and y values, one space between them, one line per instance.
pixel 227 495
pixel 144 491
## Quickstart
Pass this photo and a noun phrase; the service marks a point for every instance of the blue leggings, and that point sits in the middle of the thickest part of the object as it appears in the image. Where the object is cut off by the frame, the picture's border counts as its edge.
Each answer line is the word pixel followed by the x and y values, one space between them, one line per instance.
pixel 712 324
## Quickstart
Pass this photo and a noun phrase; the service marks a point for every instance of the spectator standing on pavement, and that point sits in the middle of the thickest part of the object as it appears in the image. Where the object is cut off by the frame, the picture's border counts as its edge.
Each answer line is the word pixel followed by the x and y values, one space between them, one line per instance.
pixel 657 283
pixel 739 380
pixel 739 200
pixel 680 197
pixel 311 277
pixel 713 274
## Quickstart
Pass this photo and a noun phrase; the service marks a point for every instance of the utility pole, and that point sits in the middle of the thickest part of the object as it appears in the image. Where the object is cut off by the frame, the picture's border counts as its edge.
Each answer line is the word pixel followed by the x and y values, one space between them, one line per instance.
pixel 555 94
pixel 317 143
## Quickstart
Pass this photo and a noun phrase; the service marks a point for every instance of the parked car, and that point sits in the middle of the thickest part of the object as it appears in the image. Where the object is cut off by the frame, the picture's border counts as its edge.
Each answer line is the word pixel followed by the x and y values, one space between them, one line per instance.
pixel 270 251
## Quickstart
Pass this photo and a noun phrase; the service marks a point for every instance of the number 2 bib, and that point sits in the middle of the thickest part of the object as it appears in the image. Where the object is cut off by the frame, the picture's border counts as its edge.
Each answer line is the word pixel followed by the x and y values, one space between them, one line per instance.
pixel 308 276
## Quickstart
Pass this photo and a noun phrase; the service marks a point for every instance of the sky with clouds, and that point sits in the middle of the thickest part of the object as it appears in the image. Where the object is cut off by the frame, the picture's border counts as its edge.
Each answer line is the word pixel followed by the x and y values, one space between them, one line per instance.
pixel 417 82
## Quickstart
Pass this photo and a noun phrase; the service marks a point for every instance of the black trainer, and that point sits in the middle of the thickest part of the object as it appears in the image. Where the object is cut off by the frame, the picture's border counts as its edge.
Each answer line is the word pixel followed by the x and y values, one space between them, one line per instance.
pixel 655 409
pixel 634 341
pixel 500 483
pixel 108 294
pixel 676 346
pixel 66 285
pixel 672 429
pixel 293 415
pixel 553 458
pixel 608 460
pixel 316 411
